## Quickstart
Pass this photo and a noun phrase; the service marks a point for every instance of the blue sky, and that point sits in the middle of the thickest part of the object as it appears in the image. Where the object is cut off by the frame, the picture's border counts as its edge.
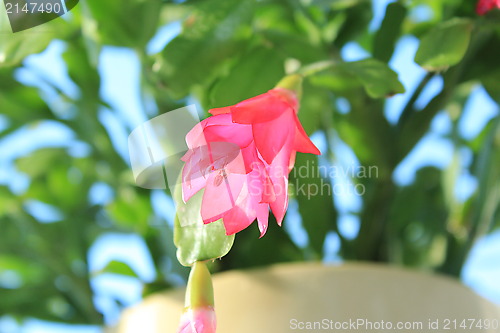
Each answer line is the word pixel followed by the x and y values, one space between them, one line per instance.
pixel 120 72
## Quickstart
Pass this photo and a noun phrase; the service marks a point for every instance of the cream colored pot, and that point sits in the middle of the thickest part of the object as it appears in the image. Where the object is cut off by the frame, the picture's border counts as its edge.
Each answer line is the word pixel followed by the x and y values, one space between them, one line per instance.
pixel 312 297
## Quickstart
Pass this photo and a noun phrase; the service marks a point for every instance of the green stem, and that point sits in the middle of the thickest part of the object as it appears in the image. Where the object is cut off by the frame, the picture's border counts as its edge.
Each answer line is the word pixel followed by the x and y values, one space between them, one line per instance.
pixel 292 82
pixel 409 109
pixel 199 292
pixel 316 67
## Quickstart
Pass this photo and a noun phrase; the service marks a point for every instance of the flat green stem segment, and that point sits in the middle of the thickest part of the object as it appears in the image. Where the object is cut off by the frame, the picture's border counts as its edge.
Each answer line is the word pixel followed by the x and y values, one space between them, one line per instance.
pixel 199 292
pixel 195 240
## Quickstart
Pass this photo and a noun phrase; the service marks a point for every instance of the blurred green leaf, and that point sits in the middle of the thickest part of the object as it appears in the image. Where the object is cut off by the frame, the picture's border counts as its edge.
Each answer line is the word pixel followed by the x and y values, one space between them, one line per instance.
pixel 231 89
pixel 389 32
pixel 295 46
pixel 377 78
pixel 314 104
pixel 358 16
pixel 131 209
pixel 337 80
pixel 418 217
pixel 44 158
pixel 14 47
pixel 313 193
pixel 205 47
pixel 444 45
pixel 129 23
pixel 27 271
pixel 488 174
pixel 490 83
pixel 116 267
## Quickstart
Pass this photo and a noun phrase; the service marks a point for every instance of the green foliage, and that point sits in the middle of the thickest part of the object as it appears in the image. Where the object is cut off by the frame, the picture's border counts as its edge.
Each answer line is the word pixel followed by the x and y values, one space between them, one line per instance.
pixel 307 188
pixel 376 77
pixel 253 64
pixel 228 51
pixel 444 45
pixel 116 267
pixel 386 37
pixel 134 22
pixel 14 48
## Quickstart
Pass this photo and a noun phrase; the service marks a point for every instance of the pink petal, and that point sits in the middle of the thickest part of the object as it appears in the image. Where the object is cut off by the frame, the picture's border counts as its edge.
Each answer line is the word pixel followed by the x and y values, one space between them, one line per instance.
pixel 302 142
pixel 270 137
pixel 262 218
pixel 289 96
pixel 226 155
pixel 201 320
pixel 236 220
pixel 234 133
pixel 268 193
pixel 195 137
pixel 251 158
pixel 201 161
pixel 278 173
pixel 242 215
pixel 260 185
pixel 261 108
pixel 280 205
pixel 192 182
pixel 221 192
pixel 217 111
pixel 219 128
pixel 291 163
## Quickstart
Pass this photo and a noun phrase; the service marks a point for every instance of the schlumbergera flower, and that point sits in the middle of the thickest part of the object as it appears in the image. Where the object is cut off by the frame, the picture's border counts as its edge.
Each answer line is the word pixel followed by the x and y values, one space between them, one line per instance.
pixel 242 156
pixel 484 6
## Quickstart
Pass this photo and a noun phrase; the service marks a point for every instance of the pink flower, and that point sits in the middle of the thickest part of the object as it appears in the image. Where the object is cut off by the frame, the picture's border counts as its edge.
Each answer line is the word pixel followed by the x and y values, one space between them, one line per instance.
pixel 200 320
pixel 242 157
pixel 484 6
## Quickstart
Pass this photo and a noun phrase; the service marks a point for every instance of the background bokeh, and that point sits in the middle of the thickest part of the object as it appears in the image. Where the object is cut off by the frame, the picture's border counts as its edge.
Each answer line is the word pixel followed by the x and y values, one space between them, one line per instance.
pixel 79 240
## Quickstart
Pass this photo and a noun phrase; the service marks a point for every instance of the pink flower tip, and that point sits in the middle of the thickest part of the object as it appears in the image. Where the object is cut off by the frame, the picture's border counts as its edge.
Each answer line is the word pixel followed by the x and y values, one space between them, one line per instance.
pixel 199 320
pixel 484 6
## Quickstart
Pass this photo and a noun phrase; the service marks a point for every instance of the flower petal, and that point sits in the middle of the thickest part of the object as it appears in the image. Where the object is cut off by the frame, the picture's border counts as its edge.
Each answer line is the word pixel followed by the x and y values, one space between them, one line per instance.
pixel 192 181
pixel 221 192
pixel 219 128
pixel 236 220
pixel 261 108
pixel 263 218
pixel 259 184
pixel 217 111
pixel 278 173
pixel 270 137
pixel 201 320
pixel 280 205
pixel 302 142
pixel 242 215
